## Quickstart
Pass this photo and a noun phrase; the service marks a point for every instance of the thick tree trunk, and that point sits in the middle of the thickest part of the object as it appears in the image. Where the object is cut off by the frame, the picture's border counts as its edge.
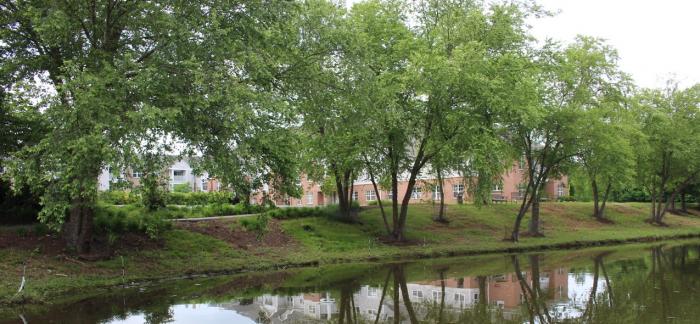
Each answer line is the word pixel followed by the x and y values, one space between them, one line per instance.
pixel 77 230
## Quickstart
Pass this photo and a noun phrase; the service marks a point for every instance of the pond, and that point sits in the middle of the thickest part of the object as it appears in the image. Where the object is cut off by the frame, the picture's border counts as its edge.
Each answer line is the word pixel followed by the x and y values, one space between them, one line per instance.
pixel 624 284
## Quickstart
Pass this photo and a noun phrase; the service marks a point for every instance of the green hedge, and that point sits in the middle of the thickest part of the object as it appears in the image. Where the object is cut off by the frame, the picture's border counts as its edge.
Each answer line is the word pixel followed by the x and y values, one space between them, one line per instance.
pixel 118 197
pixel 198 198
pixel 301 212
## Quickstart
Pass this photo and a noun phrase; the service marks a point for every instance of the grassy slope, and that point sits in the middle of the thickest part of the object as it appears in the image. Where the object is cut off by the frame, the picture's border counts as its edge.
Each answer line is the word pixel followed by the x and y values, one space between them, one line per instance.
pixel 319 241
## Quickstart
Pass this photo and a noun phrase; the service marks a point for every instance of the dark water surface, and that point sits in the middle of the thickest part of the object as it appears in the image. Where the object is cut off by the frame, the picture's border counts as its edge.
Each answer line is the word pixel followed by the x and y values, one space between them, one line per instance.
pixel 625 284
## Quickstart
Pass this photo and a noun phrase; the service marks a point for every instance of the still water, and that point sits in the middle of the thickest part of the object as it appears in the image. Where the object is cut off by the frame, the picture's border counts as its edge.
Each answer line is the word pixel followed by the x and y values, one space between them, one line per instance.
pixel 626 284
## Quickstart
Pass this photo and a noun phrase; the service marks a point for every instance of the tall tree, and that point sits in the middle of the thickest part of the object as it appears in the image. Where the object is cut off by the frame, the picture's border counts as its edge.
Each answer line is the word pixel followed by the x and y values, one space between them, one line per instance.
pixel 667 154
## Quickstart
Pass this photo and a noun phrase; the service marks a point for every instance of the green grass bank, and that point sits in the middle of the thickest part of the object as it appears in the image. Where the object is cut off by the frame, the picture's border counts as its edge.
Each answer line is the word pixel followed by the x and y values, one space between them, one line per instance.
pixel 205 248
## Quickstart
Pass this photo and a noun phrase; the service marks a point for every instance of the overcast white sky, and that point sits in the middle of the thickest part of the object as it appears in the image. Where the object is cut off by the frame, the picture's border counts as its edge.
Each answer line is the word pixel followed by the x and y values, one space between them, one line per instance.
pixel 656 39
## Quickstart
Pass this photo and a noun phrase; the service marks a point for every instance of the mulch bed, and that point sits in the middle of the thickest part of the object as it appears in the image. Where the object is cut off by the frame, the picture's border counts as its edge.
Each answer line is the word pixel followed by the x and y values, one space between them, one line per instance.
pixel 53 244
pixel 231 231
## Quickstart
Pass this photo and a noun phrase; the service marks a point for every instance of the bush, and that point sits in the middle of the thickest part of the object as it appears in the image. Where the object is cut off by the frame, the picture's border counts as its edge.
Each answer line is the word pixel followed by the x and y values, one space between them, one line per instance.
pixel 119 197
pixel 110 221
pixel 302 212
pixel 566 198
pixel 198 198
pixel 17 208
pixel 182 187
pixel 259 225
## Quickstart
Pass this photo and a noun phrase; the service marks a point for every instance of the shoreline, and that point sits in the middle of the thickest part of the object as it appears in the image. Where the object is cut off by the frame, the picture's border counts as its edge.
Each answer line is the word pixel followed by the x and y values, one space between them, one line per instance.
pixel 224 247
pixel 108 283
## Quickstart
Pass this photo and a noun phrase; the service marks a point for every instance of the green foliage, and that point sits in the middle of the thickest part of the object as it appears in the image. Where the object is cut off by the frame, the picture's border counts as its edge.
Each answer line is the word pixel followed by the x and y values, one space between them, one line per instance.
pixel 259 225
pixel 119 220
pixel 118 197
pixel 198 198
pixel 182 187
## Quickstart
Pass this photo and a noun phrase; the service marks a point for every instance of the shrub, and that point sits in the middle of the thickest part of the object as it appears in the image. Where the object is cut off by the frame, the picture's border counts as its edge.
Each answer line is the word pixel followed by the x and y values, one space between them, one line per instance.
pixel 111 220
pixel 566 198
pixel 302 212
pixel 198 198
pixel 182 187
pixel 259 225
pixel 119 197
pixel 17 207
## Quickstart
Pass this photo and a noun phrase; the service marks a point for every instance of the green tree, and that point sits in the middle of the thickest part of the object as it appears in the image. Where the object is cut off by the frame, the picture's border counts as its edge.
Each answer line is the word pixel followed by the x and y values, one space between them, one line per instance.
pixel 604 152
pixel 667 154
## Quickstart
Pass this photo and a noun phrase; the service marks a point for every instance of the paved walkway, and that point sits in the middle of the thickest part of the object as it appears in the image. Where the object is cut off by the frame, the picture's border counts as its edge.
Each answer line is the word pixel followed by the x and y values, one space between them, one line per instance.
pixel 199 219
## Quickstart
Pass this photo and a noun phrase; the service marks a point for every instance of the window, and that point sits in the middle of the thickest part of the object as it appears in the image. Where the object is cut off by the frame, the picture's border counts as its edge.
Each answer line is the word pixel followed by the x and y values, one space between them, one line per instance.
pixel 476 296
pixel 312 309
pixel 560 189
pixel 136 174
pixel 310 198
pixel 521 164
pixel 389 195
pixel 370 195
pixel 355 196
pixel 459 298
pixel 372 291
pixel 205 184
pixel 436 193
pixel 178 175
pixel 417 293
pixel 416 193
pixel 457 190
pixel 498 187
pixel 437 295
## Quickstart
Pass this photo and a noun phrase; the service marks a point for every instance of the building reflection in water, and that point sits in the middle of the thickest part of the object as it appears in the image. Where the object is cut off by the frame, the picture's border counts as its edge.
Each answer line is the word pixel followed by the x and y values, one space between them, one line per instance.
pixel 528 294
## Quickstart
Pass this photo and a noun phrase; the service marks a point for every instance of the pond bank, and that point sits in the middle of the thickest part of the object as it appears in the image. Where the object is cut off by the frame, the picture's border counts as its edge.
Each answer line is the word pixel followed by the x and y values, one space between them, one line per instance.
pixel 224 247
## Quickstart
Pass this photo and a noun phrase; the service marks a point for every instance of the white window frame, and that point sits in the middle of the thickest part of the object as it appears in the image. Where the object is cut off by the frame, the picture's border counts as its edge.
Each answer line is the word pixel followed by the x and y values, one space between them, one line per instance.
pixel 355 196
pixel 436 193
pixel 370 195
pixel 310 198
pixel 136 174
pixel 560 189
pixel 498 187
pixel 457 189
pixel 416 193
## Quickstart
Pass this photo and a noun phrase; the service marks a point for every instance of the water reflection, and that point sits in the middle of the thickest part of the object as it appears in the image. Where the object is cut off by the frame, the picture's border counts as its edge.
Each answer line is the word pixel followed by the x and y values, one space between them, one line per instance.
pixel 657 285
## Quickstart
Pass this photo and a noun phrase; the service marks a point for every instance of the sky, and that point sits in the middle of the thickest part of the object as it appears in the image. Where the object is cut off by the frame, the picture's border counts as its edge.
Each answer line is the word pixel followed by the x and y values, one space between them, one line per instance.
pixel 655 39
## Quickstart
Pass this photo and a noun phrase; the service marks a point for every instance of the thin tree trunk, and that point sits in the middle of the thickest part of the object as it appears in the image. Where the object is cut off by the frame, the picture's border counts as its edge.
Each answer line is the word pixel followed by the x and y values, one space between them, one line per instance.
pixel 596 199
pixel 441 212
pixel 684 206
pixel 605 200
pixel 379 198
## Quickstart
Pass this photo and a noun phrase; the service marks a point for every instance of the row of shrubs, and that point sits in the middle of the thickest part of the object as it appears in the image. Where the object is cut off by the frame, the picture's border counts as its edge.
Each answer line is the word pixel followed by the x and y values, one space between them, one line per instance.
pixel 118 197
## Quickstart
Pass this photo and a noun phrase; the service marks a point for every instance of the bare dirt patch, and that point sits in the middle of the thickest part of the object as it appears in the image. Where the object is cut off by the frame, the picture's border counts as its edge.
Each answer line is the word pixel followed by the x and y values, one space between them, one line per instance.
pixel 233 232
pixel 24 238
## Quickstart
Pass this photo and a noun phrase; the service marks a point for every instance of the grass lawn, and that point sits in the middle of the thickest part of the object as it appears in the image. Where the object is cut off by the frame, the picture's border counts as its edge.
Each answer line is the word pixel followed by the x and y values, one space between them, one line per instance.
pixel 318 241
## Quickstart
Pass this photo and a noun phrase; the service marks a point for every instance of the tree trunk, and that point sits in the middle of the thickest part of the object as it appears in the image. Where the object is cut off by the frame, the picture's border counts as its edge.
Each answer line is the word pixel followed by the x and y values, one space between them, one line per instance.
pixel 684 206
pixel 524 206
pixel 77 230
pixel 601 212
pixel 596 199
pixel 379 198
pixel 441 212
pixel 534 227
